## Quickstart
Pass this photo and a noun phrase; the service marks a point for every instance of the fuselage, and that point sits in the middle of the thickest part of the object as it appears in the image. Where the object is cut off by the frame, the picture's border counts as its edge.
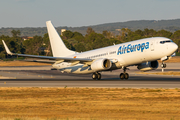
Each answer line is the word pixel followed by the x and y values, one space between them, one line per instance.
pixel 125 54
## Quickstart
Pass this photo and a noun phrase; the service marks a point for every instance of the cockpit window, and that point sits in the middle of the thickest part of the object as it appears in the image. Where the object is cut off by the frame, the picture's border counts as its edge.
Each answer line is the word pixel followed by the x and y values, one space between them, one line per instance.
pixel 166 41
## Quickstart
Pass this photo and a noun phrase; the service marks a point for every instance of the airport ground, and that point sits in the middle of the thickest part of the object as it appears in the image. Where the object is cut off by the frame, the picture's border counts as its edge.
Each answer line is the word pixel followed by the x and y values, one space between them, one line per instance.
pixel 36 92
pixel 43 76
pixel 89 104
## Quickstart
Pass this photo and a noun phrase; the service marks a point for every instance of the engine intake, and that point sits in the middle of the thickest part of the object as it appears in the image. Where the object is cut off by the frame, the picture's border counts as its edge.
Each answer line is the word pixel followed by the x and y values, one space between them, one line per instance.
pixel 148 66
pixel 101 64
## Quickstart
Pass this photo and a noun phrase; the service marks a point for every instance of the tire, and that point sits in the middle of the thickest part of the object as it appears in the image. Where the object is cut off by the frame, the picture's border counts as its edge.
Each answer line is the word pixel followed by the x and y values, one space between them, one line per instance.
pixel 94 76
pixel 164 65
pixel 98 76
pixel 126 76
pixel 122 76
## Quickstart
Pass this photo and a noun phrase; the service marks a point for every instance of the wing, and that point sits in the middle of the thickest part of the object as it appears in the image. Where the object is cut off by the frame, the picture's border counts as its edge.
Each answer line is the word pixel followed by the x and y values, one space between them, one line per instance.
pixel 56 59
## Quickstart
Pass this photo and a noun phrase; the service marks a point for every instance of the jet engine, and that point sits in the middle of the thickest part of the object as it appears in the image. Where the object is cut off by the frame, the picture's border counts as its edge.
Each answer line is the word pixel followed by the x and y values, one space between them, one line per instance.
pixel 148 66
pixel 101 64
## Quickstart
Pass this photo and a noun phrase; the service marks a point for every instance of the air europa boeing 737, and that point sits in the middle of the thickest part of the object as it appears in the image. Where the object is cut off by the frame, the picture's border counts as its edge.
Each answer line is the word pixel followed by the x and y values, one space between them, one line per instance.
pixel 142 53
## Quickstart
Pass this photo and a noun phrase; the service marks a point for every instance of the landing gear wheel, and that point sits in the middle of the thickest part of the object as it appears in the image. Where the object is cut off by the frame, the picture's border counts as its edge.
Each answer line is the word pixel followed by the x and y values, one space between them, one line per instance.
pixel 94 76
pixel 163 65
pixel 126 76
pixel 122 76
pixel 98 76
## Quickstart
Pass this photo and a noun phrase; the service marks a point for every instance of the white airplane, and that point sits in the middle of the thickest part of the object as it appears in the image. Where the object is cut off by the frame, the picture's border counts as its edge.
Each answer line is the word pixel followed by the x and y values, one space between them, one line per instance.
pixel 143 53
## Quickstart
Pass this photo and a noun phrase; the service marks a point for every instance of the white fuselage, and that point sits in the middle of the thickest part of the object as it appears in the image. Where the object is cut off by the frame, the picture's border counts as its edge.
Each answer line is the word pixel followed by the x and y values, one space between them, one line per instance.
pixel 125 54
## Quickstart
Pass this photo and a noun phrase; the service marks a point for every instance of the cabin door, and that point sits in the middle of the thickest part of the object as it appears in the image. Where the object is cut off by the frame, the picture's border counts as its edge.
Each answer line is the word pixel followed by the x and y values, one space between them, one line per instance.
pixel 152 46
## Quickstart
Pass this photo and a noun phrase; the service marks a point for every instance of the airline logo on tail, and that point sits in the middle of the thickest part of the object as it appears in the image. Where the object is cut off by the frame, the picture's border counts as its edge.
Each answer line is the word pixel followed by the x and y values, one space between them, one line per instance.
pixel 133 48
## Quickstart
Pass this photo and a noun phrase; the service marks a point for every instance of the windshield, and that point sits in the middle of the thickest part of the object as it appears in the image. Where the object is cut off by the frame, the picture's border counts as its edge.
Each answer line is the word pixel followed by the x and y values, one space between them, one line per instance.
pixel 166 41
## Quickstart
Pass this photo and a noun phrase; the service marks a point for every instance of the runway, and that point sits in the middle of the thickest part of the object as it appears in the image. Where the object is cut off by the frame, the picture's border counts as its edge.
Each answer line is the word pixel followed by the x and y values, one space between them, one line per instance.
pixel 42 76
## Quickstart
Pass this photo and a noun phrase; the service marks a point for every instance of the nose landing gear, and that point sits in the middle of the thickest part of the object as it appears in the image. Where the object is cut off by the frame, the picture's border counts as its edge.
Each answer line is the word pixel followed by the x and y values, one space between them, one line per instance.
pixel 163 65
pixel 124 75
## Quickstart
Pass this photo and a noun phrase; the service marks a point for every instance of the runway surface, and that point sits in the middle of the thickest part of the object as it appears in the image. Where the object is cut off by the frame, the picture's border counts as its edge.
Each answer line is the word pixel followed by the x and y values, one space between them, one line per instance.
pixel 42 76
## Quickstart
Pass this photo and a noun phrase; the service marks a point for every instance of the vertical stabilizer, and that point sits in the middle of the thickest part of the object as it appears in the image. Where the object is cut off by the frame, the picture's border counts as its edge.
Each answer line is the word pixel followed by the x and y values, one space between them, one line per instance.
pixel 57 45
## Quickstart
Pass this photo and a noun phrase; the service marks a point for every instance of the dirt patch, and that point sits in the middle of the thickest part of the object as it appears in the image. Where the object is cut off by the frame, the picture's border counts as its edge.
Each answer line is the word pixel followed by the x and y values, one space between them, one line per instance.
pixel 20 63
pixel 90 103
pixel 161 73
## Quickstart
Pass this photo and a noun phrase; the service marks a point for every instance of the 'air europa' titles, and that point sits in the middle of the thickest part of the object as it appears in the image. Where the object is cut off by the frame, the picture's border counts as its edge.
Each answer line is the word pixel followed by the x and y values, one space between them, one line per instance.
pixel 132 48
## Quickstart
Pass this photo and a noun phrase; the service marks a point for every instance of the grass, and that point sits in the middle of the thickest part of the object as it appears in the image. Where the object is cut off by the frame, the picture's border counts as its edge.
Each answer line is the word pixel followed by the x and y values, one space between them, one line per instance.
pixel 89 103
pixel 12 59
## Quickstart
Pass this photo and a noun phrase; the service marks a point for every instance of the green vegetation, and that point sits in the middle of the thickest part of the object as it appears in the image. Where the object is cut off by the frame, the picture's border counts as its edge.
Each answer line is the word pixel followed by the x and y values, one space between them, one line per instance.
pixel 39 45
pixel 177 54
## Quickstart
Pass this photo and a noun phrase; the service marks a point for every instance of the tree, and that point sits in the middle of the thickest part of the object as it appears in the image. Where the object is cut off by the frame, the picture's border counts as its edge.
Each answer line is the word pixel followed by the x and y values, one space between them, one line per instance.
pixel 176 35
pixel 139 32
pixel 33 45
pixel 47 45
pixel 176 38
pixel 152 33
pixel 80 47
pixel 15 33
pixel 108 34
pixel 164 33
pixel 67 34
pixel 68 45
pixel 89 30
pixel 146 32
pixel 93 36
pixel 78 36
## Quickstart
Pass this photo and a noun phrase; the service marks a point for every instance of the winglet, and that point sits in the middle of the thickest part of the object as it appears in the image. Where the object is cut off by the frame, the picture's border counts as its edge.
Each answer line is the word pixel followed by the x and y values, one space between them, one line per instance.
pixel 6 48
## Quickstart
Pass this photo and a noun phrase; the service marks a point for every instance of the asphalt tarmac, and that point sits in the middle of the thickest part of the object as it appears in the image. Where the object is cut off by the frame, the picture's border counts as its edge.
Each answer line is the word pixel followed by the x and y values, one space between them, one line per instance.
pixel 42 76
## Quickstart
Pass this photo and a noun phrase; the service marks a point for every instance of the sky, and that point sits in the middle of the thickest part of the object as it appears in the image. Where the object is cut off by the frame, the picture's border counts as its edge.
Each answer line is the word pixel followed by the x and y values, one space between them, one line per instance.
pixel 77 13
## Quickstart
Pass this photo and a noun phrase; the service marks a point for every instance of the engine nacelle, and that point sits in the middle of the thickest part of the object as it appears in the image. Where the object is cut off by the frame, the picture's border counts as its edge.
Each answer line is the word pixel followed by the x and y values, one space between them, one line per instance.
pixel 148 66
pixel 101 64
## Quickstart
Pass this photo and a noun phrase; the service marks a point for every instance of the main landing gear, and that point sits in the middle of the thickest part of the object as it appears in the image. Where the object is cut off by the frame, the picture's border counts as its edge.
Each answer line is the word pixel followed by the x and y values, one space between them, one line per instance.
pixel 96 76
pixel 124 75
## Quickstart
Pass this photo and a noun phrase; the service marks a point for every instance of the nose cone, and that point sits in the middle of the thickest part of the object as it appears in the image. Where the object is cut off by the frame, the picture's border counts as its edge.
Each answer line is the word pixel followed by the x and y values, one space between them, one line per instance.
pixel 174 47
